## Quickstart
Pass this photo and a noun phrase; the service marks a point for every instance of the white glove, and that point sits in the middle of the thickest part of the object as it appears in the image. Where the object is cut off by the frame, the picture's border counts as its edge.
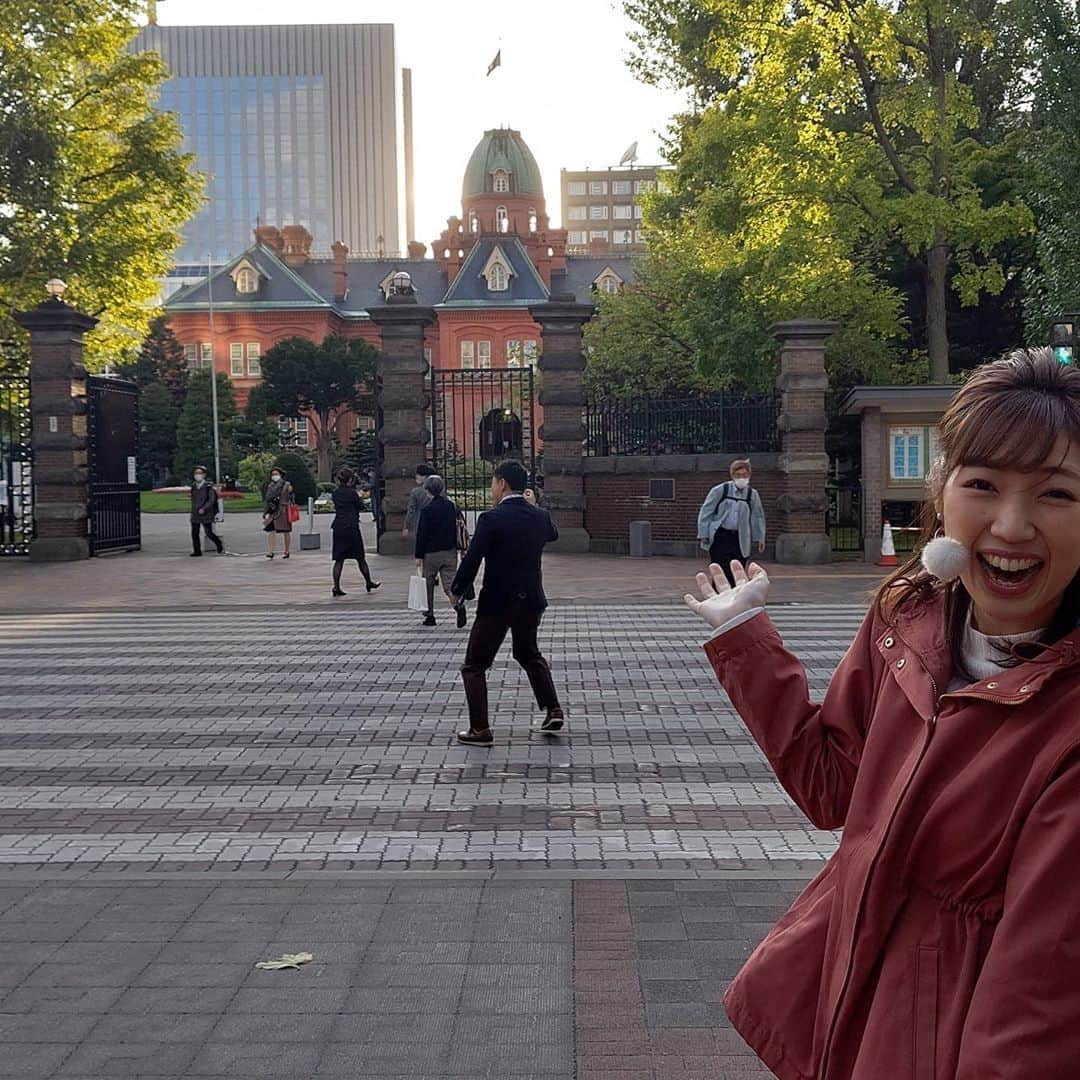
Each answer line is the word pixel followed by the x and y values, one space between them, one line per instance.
pixel 720 602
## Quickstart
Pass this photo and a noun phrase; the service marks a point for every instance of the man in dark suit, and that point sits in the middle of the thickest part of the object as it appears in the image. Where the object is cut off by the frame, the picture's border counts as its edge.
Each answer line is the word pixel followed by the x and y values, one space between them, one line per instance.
pixel 510 540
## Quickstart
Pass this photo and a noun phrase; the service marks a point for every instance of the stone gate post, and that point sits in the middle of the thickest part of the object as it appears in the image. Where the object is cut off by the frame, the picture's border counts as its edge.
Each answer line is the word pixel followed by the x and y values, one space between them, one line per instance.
pixel 562 394
pixel 804 464
pixel 401 403
pixel 58 429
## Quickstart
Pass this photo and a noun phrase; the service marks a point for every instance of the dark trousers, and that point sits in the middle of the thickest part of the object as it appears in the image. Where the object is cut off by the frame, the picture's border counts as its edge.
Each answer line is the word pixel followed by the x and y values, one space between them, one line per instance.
pixel 725 549
pixel 208 527
pixel 488 634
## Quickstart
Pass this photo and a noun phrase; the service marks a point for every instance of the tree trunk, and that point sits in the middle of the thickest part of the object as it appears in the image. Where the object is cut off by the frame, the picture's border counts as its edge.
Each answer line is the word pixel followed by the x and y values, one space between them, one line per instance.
pixel 324 444
pixel 937 332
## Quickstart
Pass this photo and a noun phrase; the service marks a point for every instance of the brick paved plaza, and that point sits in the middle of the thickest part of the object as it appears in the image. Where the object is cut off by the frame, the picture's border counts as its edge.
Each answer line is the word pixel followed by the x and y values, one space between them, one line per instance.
pixel 185 793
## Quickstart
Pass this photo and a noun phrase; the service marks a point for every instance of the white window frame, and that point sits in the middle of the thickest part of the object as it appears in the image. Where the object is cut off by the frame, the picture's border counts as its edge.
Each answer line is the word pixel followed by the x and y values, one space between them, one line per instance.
pixel 483 354
pixel 254 360
pixel 577 237
pixel 515 354
pixel 191 356
pixel 501 182
pixel 531 352
pixel 502 219
pixel 498 279
pixel 577 187
pixel 247 281
pixel 599 234
pixel 533 219
pixel 578 213
pixel 598 213
pixel 236 359
pixel 623 213
pixel 468 355
pixel 207 358
pixel 597 187
pixel 622 236
pixel 474 221
pixel 302 431
pixel 622 187
pixel 910 449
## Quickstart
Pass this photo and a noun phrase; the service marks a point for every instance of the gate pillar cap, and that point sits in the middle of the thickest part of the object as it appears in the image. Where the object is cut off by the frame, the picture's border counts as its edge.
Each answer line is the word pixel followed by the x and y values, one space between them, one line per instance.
pixel 54 314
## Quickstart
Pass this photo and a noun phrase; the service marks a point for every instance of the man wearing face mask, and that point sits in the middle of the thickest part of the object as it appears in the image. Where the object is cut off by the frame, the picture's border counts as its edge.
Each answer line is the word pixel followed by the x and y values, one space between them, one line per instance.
pixel 731 523
pixel 204 502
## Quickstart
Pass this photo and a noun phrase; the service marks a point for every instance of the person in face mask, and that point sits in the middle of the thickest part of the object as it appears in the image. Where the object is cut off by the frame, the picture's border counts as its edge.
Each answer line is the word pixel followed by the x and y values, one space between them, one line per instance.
pixel 204 502
pixel 731 523
pixel 278 498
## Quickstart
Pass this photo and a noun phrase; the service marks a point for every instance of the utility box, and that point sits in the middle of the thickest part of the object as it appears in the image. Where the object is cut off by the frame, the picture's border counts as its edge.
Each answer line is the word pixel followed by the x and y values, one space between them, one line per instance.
pixel 311 540
pixel 640 539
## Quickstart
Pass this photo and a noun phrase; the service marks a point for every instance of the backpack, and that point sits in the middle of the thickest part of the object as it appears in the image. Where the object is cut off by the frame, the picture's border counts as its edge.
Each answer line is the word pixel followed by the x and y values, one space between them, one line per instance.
pixel 727 510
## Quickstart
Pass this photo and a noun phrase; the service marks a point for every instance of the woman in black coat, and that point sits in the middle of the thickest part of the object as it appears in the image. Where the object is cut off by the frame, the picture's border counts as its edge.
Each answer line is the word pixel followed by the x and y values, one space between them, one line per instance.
pixel 348 543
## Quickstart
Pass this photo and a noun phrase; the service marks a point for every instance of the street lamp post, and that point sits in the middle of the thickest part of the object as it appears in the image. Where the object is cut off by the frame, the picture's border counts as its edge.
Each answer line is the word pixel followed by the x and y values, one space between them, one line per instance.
pixel 1063 338
pixel 213 367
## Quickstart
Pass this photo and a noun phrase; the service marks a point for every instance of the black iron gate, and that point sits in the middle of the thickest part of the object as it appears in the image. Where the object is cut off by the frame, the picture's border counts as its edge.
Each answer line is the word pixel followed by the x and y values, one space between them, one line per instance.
pixel 113 430
pixel 16 481
pixel 843 519
pixel 479 418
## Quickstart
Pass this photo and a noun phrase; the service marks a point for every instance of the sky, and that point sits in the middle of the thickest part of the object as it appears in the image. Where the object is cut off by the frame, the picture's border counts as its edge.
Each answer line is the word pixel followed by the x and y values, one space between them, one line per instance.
pixel 563 84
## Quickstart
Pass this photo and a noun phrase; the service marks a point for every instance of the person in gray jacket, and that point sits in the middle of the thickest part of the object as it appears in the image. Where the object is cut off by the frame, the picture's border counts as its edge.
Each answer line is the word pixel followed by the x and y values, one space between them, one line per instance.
pixel 419 497
pixel 204 504
pixel 731 522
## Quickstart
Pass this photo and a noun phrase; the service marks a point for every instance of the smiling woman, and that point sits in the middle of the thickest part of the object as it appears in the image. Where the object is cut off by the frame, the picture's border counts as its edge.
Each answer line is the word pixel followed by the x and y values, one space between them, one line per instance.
pixel 941 938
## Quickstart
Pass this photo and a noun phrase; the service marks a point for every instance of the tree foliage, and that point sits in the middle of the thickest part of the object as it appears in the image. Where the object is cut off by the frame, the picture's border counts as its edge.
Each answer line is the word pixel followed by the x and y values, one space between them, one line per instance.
pixel 160 359
pixel 298 474
pixel 301 377
pixel 93 185
pixel 830 138
pixel 158 417
pixel 195 427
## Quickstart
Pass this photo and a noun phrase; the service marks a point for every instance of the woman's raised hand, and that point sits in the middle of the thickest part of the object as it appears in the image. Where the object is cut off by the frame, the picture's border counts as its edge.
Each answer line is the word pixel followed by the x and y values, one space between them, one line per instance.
pixel 720 602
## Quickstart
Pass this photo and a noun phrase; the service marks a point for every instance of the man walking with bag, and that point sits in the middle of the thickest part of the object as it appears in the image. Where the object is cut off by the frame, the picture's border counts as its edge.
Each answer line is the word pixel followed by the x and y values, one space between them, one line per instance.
pixel 204 504
pixel 510 541
pixel 437 546
pixel 731 521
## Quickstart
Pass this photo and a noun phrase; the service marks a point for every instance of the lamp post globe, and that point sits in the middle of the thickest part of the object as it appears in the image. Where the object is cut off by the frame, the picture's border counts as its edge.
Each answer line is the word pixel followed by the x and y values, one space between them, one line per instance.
pixel 1063 338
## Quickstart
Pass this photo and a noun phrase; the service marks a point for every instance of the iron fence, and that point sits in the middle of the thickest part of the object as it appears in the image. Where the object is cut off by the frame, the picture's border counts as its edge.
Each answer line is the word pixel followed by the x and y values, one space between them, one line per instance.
pixel 843 519
pixel 714 424
pixel 16 465
pixel 113 430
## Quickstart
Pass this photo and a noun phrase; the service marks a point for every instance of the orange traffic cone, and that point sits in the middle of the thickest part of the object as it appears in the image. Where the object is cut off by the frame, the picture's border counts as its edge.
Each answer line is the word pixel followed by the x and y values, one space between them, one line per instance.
pixel 888 551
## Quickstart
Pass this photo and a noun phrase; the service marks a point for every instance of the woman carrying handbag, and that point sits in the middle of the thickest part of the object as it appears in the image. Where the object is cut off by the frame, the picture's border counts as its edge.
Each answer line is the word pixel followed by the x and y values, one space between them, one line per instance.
pixel 279 511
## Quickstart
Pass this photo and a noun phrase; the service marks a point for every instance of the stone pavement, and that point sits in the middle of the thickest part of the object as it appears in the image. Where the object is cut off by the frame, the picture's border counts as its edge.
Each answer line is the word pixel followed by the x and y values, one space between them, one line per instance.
pixel 183 793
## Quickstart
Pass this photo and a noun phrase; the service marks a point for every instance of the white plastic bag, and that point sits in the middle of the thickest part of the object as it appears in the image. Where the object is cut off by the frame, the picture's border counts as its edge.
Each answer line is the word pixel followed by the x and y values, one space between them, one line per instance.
pixel 417 593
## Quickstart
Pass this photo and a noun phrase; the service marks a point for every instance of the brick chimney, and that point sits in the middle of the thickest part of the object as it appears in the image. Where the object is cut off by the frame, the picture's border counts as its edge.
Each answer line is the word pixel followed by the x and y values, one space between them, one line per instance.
pixel 340 252
pixel 270 237
pixel 296 241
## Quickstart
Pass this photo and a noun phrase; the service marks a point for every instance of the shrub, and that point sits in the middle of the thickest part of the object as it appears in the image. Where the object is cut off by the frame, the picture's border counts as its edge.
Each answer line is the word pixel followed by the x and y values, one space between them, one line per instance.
pixel 298 474
pixel 255 470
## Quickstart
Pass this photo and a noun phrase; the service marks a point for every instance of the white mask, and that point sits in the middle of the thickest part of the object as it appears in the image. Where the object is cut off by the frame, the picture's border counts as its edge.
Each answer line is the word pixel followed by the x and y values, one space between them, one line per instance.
pixel 275 477
pixel 742 483
pixel 199 478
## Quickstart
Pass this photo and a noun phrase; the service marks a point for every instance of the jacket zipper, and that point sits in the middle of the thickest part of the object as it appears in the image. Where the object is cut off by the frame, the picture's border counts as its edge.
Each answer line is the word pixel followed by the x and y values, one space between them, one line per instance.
pixel 931 727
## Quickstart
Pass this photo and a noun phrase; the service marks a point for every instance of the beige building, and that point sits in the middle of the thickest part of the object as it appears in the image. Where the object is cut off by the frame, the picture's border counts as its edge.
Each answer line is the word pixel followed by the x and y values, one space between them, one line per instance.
pixel 601 208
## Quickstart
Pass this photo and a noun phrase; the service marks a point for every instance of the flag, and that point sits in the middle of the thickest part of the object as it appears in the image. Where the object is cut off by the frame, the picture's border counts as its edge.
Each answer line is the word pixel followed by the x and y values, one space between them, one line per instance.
pixel 630 155
pixel 497 62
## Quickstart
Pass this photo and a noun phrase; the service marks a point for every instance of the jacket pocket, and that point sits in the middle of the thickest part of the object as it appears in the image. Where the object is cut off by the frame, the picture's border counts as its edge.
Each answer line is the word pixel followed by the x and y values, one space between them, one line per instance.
pixel 925 1013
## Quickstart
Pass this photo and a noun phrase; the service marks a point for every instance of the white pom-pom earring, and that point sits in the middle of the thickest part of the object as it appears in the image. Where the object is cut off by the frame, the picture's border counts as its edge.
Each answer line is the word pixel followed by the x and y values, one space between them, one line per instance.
pixel 945 558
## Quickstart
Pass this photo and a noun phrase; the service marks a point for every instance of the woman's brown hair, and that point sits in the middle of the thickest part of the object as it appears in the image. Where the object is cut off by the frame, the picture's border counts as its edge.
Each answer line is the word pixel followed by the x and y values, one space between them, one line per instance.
pixel 1008 415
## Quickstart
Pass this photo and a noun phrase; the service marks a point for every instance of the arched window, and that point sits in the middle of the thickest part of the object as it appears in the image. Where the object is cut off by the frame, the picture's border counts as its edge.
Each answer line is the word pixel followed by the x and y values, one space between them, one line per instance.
pixel 497 278
pixel 502 181
pixel 609 284
pixel 246 280
pixel 502 219
pixel 532 219
pixel 474 222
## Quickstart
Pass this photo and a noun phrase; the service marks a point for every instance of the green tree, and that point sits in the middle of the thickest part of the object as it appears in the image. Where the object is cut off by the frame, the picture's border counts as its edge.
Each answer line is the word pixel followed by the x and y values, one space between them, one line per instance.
pixel 195 426
pixel 93 186
pixel 362 452
pixel 254 470
pixel 255 431
pixel 319 380
pixel 160 359
pixel 158 418
pixel 827 131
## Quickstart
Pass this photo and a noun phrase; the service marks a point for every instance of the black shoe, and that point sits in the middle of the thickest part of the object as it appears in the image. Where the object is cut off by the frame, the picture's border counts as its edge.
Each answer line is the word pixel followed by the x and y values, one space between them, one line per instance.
pixel 269 554
pixel 553 722
pixel 429 620
pixel 476 738
pixel 286 555
pixel 461 616
pixel 338 592
pixel 373 585
pixel 221 549
pixel 196 554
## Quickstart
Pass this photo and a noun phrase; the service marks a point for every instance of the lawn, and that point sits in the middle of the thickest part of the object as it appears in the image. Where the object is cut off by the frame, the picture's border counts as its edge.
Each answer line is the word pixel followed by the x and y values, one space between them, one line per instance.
pixel 178 502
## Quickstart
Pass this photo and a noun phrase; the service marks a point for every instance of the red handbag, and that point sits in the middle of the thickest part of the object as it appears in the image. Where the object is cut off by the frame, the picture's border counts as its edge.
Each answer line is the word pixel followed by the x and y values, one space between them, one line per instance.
pixel 294 512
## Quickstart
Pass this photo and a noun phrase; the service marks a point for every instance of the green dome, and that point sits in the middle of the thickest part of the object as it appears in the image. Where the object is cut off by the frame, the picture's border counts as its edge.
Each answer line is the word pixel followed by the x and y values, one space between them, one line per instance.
pixel 502 148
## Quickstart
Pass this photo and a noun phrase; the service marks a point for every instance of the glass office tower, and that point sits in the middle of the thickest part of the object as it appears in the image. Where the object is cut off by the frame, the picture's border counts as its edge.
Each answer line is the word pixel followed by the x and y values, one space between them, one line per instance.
pixel 291 125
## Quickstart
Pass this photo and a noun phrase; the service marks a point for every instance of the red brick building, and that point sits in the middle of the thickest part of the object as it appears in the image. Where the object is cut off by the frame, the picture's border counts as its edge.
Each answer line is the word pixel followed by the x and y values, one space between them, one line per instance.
pixel 491 263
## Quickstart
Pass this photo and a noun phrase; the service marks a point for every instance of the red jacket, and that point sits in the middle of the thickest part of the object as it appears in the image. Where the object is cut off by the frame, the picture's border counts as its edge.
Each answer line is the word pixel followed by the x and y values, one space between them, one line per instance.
pixel 942 940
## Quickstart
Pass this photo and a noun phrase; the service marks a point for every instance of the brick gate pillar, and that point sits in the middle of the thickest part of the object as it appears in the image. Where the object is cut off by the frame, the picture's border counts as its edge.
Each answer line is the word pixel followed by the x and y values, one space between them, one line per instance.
pixel 562 394
pixel 58 429
pixel 804 464
pixel 401 404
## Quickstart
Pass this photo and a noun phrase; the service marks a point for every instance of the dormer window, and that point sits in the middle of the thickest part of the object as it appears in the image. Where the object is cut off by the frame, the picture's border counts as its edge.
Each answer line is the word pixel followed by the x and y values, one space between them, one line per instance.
pixel 245 279
pixel 497 271
pixel 608 282
pixel 502 219
pixel 502 181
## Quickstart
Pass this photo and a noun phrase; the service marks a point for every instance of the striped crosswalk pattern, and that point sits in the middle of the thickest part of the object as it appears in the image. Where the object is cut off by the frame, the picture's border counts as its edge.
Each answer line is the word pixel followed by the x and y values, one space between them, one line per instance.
pixel 273 736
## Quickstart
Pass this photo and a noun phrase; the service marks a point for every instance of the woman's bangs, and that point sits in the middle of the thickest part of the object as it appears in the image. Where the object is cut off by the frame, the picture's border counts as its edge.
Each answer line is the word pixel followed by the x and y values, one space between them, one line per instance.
pixel 1017 430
